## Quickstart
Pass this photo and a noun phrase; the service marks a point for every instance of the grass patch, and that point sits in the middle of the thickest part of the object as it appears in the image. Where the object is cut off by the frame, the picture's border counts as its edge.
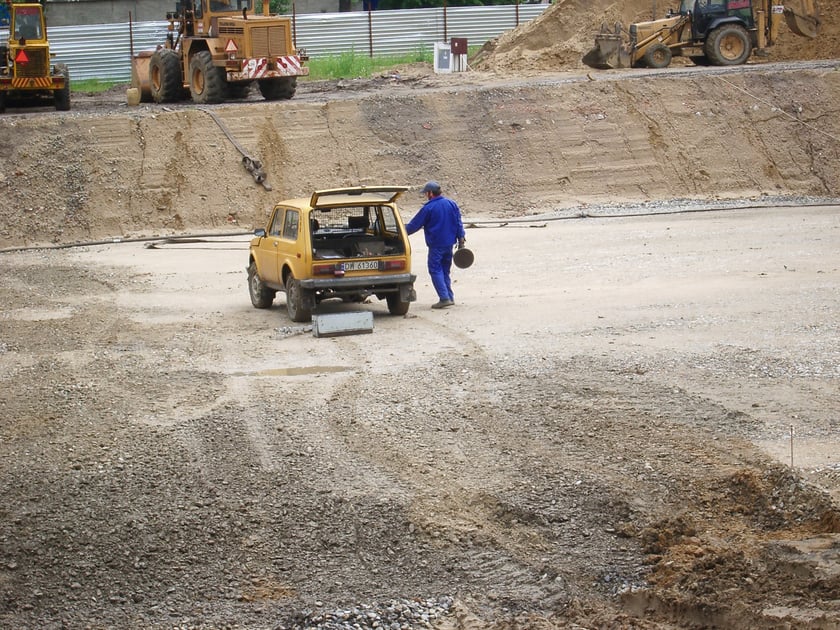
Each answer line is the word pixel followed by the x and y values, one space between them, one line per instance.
pixel 353 65
pixel 91 86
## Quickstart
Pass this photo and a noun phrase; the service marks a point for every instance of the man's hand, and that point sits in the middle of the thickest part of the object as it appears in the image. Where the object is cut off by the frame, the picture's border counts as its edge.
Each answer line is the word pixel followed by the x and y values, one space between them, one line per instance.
pixel 462 243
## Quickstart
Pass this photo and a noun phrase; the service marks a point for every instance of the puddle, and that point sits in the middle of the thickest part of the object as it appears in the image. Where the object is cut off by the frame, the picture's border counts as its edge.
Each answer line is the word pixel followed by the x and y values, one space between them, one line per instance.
pixel 298 371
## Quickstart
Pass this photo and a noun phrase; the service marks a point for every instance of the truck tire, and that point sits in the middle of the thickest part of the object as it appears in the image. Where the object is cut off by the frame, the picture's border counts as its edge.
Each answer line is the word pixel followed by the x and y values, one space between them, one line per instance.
pixel 297 301
pixel 62 96
pixel 165 81
pixel 261 295
pixel 207 82
pixel 657 56
pixel 276 89
pixel 728 45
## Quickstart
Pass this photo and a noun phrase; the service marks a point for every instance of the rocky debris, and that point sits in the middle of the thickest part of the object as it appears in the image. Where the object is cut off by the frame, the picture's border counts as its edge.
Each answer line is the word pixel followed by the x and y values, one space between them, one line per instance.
pixel 395 615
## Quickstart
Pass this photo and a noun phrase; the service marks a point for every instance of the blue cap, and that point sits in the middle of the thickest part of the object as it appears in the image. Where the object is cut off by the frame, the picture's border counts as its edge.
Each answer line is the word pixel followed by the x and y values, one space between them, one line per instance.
pixel 432 187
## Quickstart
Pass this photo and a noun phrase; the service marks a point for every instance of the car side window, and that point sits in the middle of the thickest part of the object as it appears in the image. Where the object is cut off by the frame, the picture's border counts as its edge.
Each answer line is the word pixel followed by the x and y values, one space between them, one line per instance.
pixel 276 223
pixel 290 226
pixel 389 220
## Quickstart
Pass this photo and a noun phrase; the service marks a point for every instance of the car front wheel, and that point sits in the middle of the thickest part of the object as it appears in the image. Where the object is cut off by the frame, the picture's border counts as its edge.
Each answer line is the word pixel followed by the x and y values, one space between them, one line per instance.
pixel 298 302
pixel 261 295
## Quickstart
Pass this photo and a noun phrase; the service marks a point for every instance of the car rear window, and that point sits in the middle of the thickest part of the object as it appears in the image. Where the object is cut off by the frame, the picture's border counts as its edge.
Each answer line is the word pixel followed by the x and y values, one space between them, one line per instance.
pixel 372 219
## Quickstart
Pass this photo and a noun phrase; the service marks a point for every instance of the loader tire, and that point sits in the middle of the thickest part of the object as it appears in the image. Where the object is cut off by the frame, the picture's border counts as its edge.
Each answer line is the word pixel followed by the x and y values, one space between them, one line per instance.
pixel 275 89
pixel 165 80
pixel 728 45
pixel 62 96
pixel 238 90
pixel 207 82
pixel 2 101
pixel 658 56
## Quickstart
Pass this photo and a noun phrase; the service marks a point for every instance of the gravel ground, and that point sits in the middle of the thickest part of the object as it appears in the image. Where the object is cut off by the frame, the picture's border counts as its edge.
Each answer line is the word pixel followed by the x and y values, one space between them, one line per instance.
pixel 597 435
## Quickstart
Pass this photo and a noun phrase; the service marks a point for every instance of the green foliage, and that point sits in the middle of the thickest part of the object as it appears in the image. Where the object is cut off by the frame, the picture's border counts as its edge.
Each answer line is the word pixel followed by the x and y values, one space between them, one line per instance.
pixel 428 4
pixel 352 65
pixel 280 7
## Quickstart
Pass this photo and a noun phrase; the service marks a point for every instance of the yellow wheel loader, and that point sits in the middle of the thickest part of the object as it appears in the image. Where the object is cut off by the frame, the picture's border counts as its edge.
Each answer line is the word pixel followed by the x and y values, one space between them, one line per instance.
pixel 709 32
pixel 27 75
pixel 215 50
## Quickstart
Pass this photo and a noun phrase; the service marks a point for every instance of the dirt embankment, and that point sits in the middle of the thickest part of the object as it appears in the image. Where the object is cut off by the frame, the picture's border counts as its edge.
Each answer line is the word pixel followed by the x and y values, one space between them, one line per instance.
pixel 503 147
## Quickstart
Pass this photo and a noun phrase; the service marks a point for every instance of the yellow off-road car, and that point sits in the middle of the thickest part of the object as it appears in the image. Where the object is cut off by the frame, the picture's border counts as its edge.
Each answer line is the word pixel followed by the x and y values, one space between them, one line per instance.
pixel 345 243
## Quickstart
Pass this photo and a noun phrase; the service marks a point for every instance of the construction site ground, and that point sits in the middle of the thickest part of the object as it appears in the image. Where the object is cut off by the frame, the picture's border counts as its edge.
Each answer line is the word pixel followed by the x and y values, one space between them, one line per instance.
pixel 629 419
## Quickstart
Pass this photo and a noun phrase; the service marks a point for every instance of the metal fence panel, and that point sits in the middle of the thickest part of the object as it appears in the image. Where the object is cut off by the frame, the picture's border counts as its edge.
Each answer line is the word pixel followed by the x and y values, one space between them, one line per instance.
pixel 103 51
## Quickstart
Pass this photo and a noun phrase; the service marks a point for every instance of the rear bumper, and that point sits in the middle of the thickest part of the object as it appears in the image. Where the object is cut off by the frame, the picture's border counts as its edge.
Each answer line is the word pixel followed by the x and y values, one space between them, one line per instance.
pixel 369 283
pixel 268 68
pixel 32 83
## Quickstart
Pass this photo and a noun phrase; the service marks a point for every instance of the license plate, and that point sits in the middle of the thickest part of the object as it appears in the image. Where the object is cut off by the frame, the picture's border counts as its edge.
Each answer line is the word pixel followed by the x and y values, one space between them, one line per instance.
pixel 361 265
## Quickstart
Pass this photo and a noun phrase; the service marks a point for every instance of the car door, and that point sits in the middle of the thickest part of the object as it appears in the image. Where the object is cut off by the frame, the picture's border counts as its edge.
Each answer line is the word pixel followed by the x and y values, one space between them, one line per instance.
pixel 267 251
pixel 290 251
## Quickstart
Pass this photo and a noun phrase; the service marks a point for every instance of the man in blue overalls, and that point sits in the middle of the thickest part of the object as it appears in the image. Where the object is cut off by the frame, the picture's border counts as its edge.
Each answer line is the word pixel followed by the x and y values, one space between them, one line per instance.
pixel 440 219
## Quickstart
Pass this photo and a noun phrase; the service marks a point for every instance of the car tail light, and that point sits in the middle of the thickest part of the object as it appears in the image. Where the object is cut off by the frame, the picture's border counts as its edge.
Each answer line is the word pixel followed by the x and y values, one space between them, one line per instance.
pixel 393 265
pixel 328 270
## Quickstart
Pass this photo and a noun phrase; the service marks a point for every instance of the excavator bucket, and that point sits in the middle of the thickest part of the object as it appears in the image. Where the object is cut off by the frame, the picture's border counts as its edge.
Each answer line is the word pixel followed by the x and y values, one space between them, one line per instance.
pixel 802 17
pixel 140 74
pixel 609 51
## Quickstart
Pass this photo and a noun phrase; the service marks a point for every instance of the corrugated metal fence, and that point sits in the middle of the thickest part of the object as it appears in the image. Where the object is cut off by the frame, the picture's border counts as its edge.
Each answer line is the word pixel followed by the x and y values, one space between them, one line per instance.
pixel 103 51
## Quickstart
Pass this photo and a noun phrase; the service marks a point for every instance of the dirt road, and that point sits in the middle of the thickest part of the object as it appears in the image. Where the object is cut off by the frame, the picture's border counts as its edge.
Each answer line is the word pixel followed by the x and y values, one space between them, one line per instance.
pixel 597 435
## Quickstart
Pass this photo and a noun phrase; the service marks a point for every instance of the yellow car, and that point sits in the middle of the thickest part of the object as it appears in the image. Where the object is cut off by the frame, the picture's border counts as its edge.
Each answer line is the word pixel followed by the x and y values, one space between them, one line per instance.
pixel 345 243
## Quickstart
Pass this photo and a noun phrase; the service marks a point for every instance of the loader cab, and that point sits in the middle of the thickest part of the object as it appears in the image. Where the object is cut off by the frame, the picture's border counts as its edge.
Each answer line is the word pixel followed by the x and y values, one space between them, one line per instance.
pixel 27 22
pixel 709 14
pixel 221 7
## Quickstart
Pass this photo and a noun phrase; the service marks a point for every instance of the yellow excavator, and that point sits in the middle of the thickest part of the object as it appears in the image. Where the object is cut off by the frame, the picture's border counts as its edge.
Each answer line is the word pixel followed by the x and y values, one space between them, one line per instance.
pixel 709 32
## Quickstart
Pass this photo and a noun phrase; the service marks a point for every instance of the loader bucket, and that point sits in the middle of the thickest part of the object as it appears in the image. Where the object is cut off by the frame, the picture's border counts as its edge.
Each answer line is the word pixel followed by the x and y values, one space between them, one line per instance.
pixel 608 53
pixel 802 17
pixel 140 74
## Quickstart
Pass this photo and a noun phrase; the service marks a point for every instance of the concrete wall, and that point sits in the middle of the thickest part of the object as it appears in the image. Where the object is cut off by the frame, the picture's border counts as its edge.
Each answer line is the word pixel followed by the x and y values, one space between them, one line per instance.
pixel 79 12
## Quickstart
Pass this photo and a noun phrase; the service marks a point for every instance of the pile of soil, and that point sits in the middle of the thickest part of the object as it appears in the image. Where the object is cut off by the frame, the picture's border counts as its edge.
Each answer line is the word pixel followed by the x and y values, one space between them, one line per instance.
pixel 557 39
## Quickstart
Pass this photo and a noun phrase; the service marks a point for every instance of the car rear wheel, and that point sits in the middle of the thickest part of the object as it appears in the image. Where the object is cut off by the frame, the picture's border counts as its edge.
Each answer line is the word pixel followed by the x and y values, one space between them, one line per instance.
pixel 298 302
pixel 395 305
pixel 261 295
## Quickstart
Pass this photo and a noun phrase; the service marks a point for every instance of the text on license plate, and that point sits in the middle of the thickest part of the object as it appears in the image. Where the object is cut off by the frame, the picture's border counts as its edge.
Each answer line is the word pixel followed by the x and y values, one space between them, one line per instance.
pixel 361 265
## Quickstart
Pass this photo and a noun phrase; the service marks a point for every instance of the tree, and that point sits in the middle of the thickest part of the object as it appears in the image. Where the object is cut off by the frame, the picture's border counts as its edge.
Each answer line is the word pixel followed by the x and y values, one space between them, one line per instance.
pixel 275 6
